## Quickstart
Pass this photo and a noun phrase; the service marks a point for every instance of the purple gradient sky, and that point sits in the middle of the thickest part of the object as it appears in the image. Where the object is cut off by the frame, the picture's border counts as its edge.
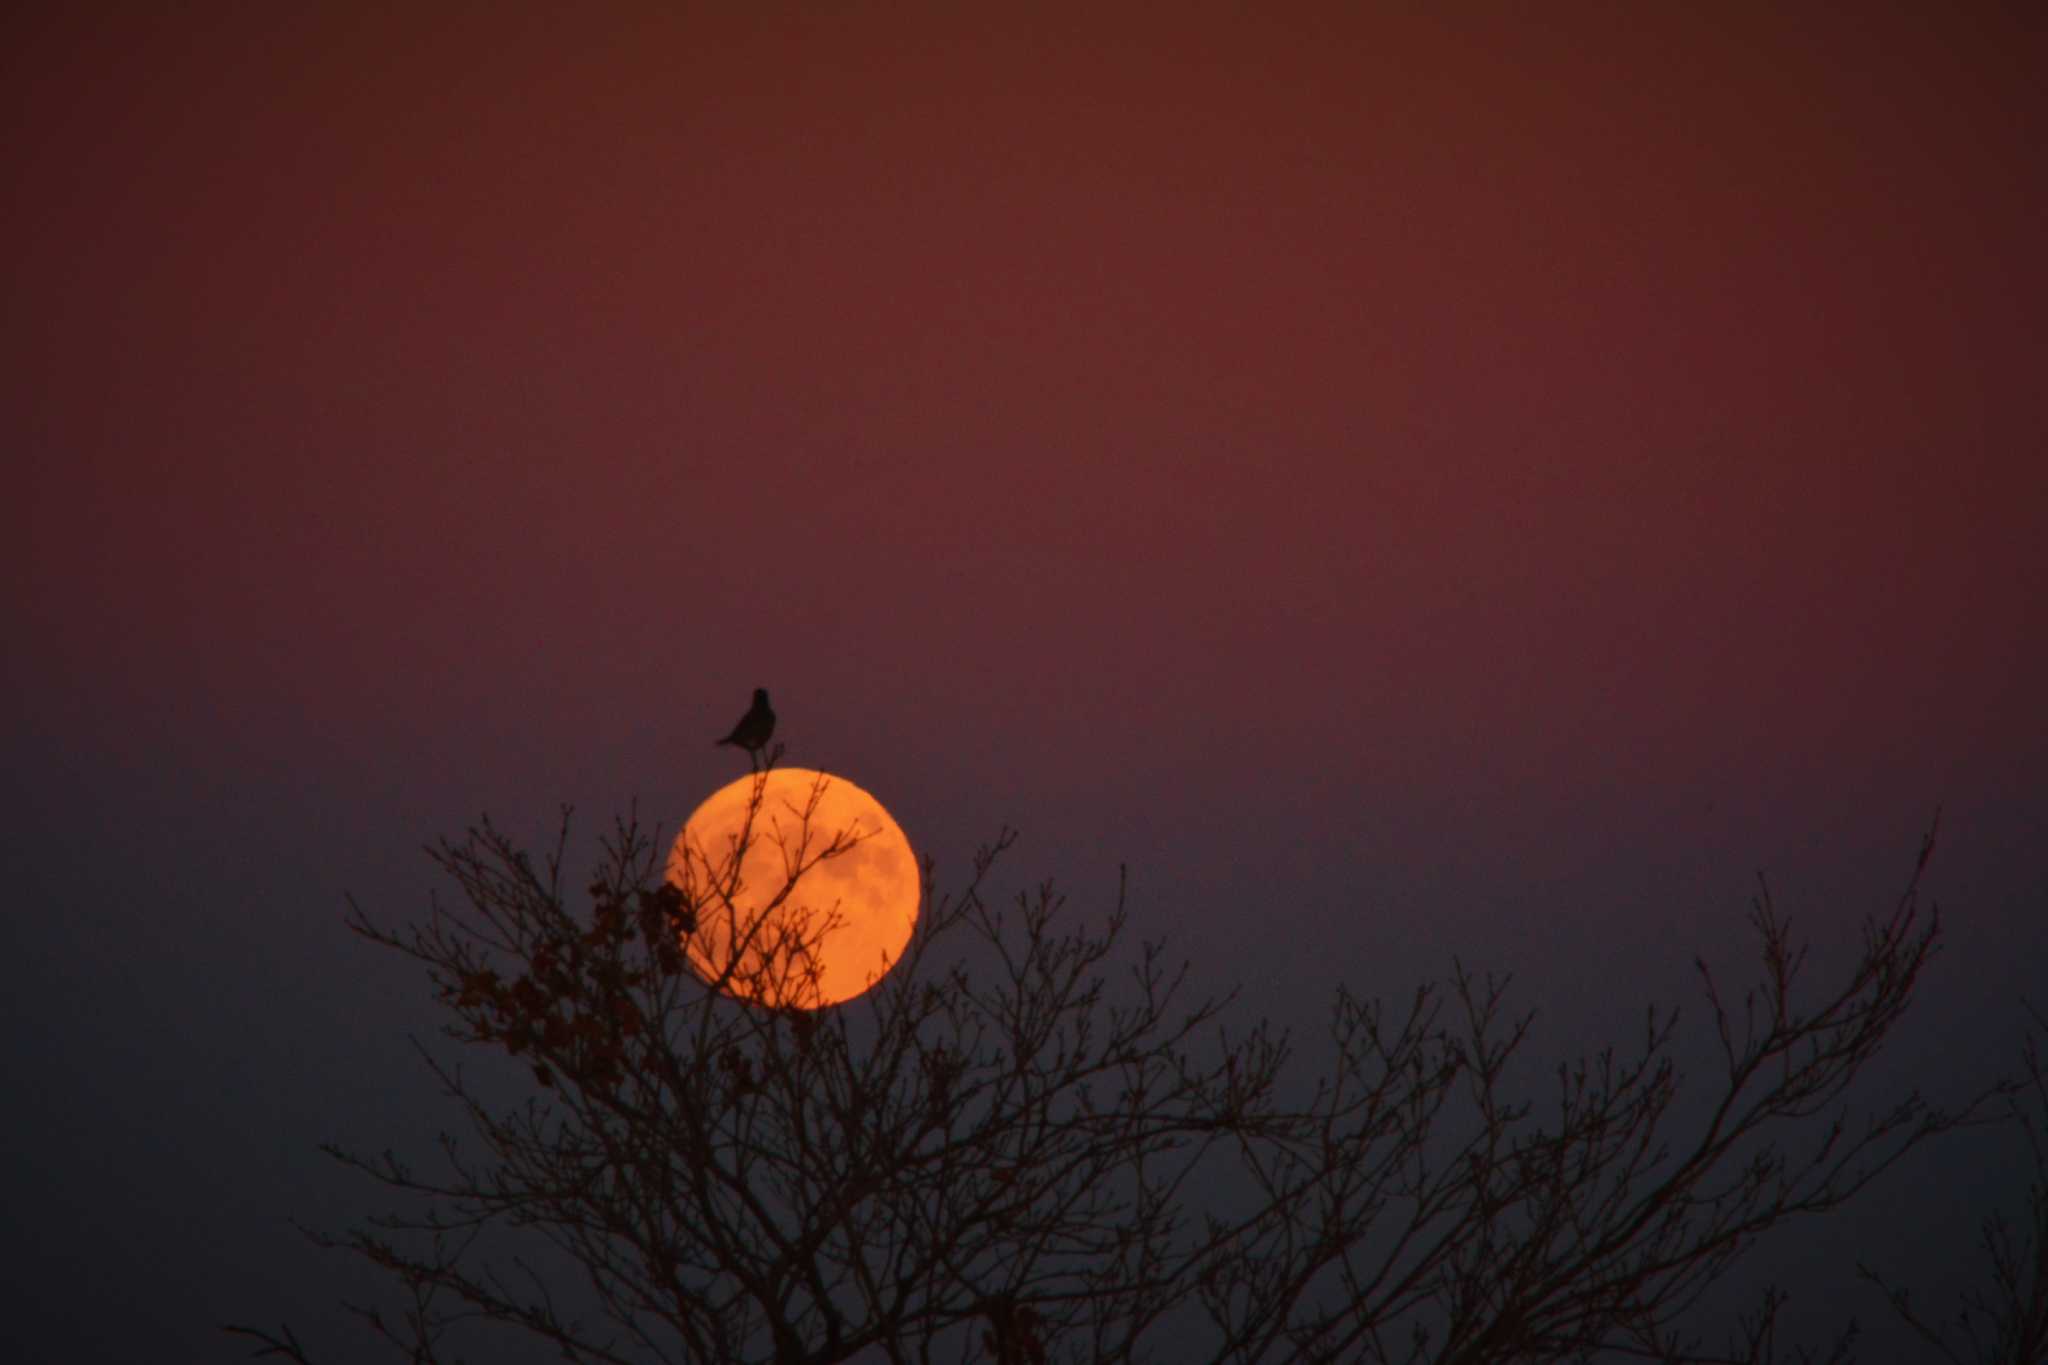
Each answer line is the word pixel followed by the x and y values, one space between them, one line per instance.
pixel 1407 486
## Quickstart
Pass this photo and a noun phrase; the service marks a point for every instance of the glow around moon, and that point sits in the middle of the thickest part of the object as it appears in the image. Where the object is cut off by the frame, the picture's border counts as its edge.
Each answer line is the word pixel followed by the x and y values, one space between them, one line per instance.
pixel 820 901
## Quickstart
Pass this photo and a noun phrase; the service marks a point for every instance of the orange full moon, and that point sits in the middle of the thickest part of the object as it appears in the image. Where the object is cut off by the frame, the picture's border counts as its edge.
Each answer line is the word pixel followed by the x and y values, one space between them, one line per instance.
pixel 804 889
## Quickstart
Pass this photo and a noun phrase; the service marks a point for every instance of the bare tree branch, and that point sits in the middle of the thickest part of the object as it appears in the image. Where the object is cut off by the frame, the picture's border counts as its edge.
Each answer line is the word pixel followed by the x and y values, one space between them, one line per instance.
pixel 1027 1143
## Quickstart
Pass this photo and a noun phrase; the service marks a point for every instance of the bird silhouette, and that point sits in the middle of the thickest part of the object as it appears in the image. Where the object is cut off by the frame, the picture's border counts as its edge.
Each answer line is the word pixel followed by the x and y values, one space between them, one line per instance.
pixel 754 728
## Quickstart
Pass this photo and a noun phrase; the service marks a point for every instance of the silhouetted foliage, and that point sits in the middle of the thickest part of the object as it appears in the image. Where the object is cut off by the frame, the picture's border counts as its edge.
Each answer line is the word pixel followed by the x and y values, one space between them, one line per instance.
pixel 1026 1145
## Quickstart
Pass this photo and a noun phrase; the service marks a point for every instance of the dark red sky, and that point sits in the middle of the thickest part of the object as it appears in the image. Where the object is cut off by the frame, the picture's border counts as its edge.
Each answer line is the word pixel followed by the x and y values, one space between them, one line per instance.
pixel 1429 482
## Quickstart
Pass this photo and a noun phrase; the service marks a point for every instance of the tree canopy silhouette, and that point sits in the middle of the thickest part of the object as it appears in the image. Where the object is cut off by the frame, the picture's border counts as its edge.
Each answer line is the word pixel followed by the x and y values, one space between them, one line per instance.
pixel 1027 1143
